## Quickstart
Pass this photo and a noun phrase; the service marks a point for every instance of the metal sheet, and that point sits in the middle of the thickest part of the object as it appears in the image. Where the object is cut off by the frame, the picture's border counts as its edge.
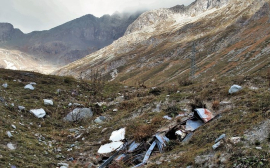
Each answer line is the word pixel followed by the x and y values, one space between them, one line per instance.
pixel 149 151
pixel 188 137
pixel 133 146
pixel 108 161
pixel 192 125
pixel 204 114
pixel 161 141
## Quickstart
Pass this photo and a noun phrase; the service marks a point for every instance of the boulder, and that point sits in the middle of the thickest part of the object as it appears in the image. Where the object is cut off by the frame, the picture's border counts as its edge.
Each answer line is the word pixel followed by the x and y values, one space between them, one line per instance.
pixel 234 89
pixel 29 86
pixel 79 114
pixel 48 102
pixel 39 113
pixel 100 119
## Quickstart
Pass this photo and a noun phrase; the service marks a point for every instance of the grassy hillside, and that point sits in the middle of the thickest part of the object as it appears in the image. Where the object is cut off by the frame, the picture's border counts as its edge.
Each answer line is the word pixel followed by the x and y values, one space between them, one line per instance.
pixel 45 142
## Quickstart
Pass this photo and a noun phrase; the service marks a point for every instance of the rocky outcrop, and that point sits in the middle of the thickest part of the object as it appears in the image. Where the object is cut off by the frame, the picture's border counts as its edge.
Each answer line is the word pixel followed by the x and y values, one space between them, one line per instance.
pixel 7 32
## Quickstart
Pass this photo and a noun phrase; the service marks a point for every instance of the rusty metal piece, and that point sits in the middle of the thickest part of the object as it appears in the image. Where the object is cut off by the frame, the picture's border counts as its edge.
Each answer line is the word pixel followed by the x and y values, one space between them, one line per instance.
pixel 204 114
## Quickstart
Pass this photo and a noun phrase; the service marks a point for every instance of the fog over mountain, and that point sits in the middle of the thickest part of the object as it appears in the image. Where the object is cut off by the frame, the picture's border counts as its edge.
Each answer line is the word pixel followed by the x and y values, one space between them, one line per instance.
pixel 32 15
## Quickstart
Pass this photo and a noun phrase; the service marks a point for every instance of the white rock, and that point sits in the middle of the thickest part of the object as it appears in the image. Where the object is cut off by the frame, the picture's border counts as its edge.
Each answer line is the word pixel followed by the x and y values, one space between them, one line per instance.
pixel 259 148
pixel 108 148
pixel 63 165
pixel 234 89
pixel 235 140
pixel 5 85
pixel 13 126
pixel 115 110
pixel 118 135
pixel 33 83
pixel 21 108
pixel 48 102
pixel 9 134
pixel 29 86
pixel 253 88
pixel 167 117
pixel 11 146
pixel 39 113
pixel 69 104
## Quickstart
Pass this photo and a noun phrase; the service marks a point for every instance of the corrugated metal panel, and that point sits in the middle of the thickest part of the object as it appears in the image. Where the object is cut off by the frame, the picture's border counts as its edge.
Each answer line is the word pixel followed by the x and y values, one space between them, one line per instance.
pixel 204 114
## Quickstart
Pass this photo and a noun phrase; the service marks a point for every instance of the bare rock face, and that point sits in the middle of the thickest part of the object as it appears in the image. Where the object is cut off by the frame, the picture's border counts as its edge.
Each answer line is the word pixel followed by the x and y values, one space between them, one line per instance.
pixel 159 43
pixel 160 15
pixel 70 41
pixel 7 31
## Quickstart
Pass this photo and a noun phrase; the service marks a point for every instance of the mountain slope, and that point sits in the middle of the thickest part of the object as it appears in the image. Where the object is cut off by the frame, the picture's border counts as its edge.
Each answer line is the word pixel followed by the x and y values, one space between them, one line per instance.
pixel 231 37
pixel 70 41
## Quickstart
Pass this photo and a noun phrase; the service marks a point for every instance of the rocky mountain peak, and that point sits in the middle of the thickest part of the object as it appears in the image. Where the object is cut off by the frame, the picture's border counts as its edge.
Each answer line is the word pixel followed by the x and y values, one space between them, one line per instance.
pixel 158 16
pixel 5 31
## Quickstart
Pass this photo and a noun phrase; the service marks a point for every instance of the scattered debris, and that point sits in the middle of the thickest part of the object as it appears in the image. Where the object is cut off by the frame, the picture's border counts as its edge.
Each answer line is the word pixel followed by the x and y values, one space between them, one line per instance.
pixel 63 165
pixel 118 135
pixel 9 134
pixel 167 117
pixel 39 113
pixel 21 108
pixel 216 145
pixel 5 85
pixel 48 102
pixel 223 136
pixel 29 86
pixel 110 147
pixel 258 148
pixel 11 146
pixel 234 89
pixel 13 126
pixel 235 140
pixel 219 141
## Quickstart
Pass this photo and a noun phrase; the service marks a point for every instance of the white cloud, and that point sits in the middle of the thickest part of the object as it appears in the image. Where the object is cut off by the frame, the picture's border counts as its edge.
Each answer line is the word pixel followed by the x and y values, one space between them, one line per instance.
pixel 30 15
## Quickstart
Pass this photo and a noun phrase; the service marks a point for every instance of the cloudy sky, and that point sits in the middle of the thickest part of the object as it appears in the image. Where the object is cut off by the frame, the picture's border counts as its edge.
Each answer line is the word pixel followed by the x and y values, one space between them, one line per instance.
pixel 30 15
